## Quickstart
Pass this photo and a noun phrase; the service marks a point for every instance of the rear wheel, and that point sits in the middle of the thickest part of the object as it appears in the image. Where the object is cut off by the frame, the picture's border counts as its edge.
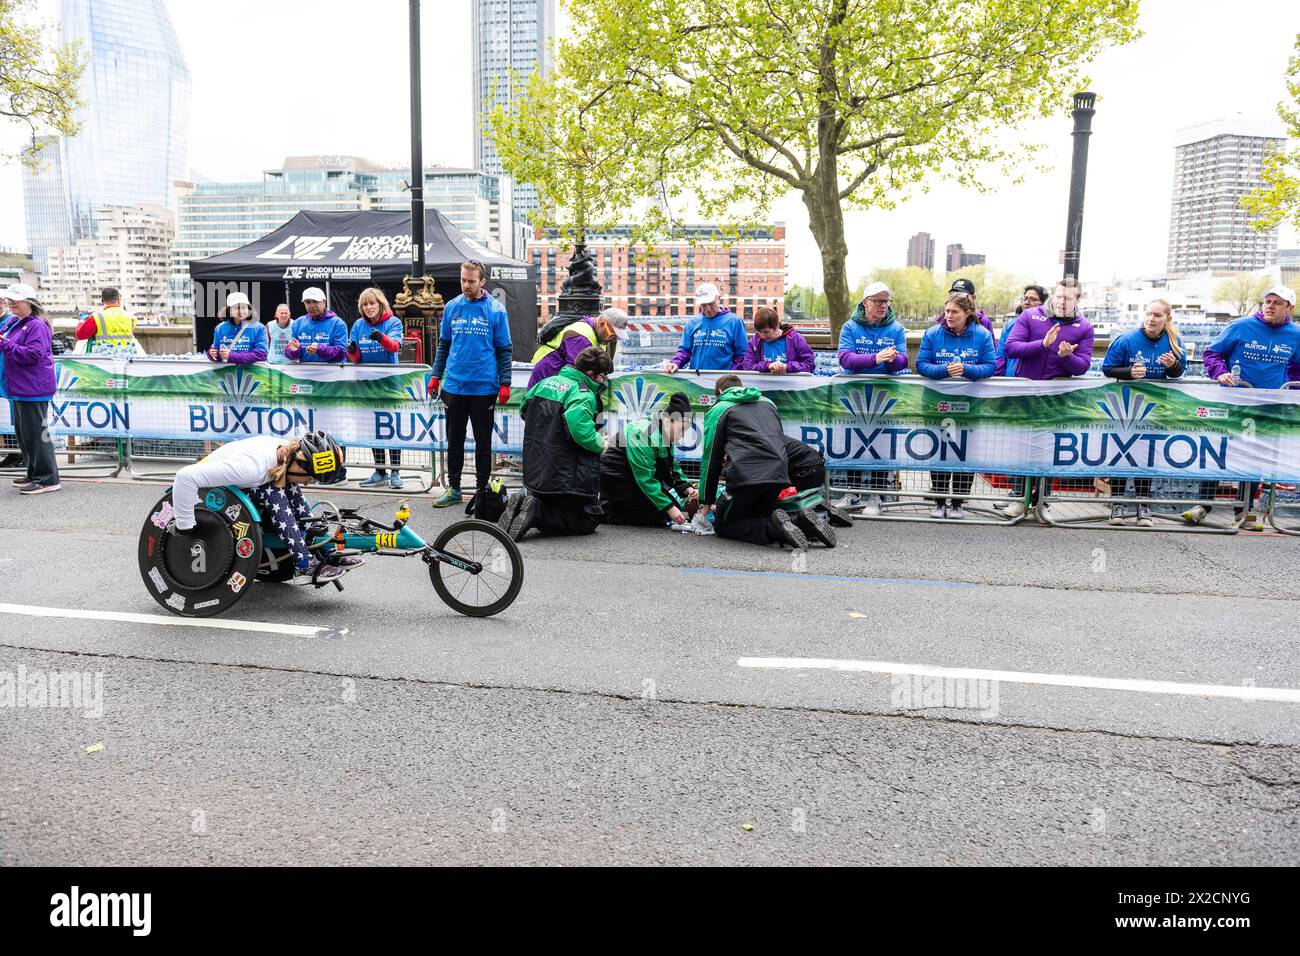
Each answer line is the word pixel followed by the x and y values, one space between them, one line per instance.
pixel 492 588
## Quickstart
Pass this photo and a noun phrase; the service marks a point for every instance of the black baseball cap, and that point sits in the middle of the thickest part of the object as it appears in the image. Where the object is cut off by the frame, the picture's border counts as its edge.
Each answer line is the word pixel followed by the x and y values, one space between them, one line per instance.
pixel 964 286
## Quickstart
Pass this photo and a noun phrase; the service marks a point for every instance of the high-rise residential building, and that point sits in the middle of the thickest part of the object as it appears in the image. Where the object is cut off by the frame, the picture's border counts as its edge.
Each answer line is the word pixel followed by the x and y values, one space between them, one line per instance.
pixel 511 38
pixel 749 273
pixel 134 133
pixel 920 251
pixel 1215 164
pixel 130 251
pixel 213 218
pixel 957 258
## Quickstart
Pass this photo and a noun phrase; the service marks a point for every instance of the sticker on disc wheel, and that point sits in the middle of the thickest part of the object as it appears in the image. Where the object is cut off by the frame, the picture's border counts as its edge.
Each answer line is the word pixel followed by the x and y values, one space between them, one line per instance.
pixel 207 570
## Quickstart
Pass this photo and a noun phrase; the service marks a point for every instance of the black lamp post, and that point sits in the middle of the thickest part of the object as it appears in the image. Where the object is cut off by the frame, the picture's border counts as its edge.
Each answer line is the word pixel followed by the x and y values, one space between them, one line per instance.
pixel 1083 113
pixel 417 150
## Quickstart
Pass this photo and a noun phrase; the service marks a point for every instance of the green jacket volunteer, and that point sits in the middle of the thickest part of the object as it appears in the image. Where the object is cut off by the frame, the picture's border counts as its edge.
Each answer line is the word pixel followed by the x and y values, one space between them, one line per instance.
pixel 640 480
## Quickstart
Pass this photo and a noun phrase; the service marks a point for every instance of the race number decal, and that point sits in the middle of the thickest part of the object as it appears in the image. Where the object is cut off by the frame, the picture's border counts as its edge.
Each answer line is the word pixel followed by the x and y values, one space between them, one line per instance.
pixel 322 461
pixel 385 540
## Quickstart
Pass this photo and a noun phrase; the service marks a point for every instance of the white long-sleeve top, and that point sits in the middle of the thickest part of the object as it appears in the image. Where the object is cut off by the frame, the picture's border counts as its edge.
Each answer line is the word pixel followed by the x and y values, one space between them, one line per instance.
pixel 242 463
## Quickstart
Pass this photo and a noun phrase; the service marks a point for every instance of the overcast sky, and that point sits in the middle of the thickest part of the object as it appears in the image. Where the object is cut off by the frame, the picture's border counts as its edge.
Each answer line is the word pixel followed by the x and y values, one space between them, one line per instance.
pixel 279 77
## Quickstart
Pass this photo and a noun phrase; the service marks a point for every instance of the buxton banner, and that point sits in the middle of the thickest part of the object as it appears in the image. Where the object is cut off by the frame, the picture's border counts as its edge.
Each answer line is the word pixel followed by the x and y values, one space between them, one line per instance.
pixel 1074 427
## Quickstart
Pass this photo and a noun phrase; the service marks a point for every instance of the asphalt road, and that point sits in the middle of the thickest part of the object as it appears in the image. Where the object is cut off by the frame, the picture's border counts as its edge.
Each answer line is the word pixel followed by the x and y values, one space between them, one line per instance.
pixel 607 718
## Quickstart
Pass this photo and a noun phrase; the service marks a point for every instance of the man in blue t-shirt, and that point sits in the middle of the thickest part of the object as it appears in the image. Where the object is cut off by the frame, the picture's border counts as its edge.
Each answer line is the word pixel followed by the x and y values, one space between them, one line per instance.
pixel 714 339
pixel 474 354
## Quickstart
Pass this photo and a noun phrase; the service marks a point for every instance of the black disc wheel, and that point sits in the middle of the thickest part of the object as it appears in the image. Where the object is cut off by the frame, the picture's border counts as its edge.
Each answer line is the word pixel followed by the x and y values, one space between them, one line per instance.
pixel 207 571
pixel 480 570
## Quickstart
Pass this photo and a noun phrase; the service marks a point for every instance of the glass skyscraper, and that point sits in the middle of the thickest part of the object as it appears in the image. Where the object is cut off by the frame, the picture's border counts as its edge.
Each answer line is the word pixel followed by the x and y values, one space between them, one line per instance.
pixel 135 123
pixel 510 36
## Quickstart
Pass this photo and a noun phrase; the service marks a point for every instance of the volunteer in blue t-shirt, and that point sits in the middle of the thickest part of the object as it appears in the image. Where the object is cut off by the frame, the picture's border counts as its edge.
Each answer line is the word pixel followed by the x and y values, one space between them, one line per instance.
pixel 714 339
pixel 376 339
pixel 472 371
pixel 1264 351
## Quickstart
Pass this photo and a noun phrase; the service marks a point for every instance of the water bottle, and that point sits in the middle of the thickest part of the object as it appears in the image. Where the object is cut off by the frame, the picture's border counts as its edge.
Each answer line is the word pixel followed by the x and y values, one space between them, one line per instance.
pixel 1236 373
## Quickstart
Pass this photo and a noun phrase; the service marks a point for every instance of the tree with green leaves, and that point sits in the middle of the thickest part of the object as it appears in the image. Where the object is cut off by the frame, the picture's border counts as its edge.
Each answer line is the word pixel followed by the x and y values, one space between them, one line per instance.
pixel 848 103
pixel 1243 291
pixel 38 81
pixel 1278 199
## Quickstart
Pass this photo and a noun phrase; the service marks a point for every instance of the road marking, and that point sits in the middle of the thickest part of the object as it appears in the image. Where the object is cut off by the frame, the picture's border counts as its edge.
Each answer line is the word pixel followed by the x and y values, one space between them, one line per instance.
pixel 1284 694
pixel 827 577
pixel 261 627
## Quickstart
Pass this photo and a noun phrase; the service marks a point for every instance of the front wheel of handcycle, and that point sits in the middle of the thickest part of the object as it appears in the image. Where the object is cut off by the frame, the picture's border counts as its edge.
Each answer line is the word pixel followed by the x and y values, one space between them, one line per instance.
pixel 490 571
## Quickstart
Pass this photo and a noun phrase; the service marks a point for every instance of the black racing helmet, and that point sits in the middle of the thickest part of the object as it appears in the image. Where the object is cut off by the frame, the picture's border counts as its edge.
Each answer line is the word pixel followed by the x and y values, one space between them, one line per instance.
pixel 322 457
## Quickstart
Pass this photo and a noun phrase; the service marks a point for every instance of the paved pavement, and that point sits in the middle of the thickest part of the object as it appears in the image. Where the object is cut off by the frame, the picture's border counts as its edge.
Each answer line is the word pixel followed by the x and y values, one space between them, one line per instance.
pixel 606 716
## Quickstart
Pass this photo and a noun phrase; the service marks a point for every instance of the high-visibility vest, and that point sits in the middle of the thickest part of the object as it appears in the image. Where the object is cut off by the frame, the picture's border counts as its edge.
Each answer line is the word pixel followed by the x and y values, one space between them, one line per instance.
pixel 114 332
pixel 581 327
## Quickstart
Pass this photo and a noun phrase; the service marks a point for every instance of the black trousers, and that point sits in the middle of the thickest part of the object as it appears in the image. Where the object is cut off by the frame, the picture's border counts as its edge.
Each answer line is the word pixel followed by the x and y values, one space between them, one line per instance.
pixel 34 440
pixel 563 514
pixel 476 410
pixel 743 513
pixel 961 482
pixel 395 456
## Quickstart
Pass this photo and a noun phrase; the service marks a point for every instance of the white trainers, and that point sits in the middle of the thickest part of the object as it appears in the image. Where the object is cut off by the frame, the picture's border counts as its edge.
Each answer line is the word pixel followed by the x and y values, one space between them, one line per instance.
pixel 956 513
pixel 939 511
pixel 1014 509
pixel 1195 515
pixel 872 507
pixel 849 501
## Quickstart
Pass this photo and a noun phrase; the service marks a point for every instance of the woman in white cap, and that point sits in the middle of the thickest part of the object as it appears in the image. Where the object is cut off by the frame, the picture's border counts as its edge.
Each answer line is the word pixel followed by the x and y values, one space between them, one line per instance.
pixel 240 339
pixel 29 382
pixel 318 336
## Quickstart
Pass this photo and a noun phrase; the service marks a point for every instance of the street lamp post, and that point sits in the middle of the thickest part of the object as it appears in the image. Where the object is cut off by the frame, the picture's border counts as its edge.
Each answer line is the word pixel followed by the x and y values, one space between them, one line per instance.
pixel 1083 113
pixel 417 150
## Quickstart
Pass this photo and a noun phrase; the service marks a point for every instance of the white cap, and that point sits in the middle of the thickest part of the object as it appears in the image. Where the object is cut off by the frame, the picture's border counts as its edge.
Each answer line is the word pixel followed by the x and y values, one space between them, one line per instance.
pixel 20 290
pixel 706 293
pixel 237 298
pixel 1282 292
pixel 314 295
pixel 618 319
pixel 875 289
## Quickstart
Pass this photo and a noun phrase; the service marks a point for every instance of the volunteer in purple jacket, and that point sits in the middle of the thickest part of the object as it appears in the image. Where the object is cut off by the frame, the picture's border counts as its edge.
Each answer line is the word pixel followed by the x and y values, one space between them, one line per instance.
pixel 1052 341
pixel 776 347
pixel 967 288
pixel 1031 298
pixel 872 342
pixel 13 459
pixel 240 339
pixel 29 380
pixel 318 336
pixel 960 348
pixel 1266 346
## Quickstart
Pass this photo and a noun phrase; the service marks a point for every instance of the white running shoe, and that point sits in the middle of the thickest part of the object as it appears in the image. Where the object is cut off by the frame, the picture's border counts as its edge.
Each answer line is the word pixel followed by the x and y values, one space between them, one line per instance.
pixel 849 501
pixel 1195 515
pixel 956 513
pixel 939 511
pixel 1014 509
pixel 872 507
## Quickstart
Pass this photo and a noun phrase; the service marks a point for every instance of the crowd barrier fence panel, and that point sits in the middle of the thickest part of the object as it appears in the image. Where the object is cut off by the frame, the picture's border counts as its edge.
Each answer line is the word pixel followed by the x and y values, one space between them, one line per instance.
pixel 88 420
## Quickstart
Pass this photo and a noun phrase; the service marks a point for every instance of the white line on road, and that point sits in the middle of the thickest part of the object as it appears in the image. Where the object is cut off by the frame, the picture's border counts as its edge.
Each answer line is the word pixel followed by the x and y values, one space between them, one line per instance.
pixel 1024 677
pixel 261 627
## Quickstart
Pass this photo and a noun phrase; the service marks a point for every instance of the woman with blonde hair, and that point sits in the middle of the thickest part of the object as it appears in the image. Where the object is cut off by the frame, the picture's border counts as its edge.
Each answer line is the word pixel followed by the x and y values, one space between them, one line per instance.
pixel 271 470
pixel 1153 351
pixel 376 339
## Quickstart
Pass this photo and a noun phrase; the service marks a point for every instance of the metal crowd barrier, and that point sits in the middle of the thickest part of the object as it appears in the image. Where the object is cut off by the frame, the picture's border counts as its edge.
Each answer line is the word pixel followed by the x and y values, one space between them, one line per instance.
pixel 909 495
pixel 1087 503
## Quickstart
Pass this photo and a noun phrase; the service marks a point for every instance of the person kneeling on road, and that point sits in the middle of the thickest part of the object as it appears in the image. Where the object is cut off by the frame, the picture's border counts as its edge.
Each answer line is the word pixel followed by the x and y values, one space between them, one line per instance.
pixel 640 480
pixel 744 445
pixel 562 448
pixel 271 471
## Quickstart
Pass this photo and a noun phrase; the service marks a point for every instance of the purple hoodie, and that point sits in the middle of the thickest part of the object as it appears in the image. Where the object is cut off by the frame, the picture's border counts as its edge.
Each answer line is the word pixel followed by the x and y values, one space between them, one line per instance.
pixel 29 361
pixel 983 319
pixel 1026 344
pixel 798 353
pixel 571 347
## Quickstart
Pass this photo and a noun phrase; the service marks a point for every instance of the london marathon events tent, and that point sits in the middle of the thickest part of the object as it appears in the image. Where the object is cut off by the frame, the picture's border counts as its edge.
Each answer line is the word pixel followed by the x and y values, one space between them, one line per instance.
pixel 343 253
